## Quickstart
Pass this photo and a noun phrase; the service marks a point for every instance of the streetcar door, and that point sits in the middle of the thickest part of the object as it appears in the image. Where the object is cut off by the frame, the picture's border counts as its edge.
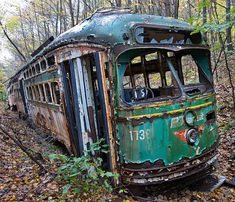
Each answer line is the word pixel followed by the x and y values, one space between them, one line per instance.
pixel 71 105
pixel 79 104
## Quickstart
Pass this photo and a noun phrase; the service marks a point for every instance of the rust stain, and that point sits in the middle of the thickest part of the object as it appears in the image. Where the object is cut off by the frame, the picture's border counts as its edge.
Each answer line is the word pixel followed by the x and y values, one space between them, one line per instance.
pixel 109 115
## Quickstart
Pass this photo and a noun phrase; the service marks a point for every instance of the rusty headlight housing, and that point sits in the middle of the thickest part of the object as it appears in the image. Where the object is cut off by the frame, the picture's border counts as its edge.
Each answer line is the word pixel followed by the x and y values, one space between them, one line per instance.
pixel 192 136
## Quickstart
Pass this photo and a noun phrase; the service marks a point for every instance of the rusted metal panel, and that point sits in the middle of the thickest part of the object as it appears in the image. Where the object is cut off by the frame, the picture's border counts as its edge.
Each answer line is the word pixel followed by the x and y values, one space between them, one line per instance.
pixel 50 117
pixel 100 68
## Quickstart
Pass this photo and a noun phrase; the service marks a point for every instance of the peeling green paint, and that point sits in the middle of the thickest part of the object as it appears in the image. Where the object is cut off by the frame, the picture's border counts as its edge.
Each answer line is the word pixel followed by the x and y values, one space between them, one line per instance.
pixel 160 141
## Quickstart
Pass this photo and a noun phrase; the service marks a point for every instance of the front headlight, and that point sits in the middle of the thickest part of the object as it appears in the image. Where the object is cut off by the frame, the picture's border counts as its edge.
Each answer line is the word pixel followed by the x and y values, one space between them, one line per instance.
pixel 192 136
pixel 190 118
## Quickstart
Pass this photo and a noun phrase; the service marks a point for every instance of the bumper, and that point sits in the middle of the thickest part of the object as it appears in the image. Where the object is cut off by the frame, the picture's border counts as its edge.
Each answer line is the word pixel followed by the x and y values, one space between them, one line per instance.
pixel 163 174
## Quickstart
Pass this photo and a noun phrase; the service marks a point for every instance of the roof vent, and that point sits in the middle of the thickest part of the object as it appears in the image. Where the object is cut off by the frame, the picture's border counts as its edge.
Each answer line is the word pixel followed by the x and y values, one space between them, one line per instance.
pixel 109 11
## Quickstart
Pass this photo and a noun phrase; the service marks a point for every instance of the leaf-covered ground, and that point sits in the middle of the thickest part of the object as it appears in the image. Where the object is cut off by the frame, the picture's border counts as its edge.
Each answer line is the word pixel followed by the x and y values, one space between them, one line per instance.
pixel 22 180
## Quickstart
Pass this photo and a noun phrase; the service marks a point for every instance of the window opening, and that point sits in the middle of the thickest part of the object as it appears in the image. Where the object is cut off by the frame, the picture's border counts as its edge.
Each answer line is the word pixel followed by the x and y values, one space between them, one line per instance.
pixel 42 93
pixel 136 60
pixel 155 80
pixel 151 56
pixel 48 92
pixel 56 92
pixel 33 71
pixel 168 76
pixel 37 94
pixel 30 72
pixel 193 78
pixel 43 65
pixel 37 68
pixel 127 82
pixel 51 61
pixel 30 93
pixel 34 94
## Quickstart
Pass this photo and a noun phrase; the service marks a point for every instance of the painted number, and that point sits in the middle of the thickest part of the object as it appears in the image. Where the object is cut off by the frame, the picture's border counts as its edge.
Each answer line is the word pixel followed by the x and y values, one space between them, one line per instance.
pixel 137 135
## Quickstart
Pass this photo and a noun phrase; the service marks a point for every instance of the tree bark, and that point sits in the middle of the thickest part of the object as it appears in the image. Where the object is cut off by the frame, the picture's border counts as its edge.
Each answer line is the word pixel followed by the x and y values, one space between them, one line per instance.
pixel 167 8
pixel 204 18
pixel 228 30
pixel 189 9
pixel 118 3
pixel 71 13
pixel 176 8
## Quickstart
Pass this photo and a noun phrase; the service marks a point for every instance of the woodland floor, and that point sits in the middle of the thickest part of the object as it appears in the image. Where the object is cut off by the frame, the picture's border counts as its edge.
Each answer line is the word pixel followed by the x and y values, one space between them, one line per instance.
pixel 21 179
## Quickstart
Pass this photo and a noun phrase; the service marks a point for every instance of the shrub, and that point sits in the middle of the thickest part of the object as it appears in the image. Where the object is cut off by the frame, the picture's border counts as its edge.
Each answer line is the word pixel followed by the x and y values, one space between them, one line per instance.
pixel 84 177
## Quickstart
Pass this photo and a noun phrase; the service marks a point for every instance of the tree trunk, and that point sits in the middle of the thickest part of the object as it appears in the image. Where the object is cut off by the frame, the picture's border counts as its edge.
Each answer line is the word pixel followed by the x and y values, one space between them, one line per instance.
pixel 119 3
pixel 228 30
pixel 189 9
pixel 61 16
pixel 78 11
pixel 167 8
pixel 57 18
pixel 176 8
pixel 204 17
pixel 71 13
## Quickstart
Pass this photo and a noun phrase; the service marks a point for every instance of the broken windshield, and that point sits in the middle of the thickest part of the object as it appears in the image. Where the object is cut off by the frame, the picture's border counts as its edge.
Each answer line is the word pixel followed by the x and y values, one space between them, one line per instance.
pixel 157 75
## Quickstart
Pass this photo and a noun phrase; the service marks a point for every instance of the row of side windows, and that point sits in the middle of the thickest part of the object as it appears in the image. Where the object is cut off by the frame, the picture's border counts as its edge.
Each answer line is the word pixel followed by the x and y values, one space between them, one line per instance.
pixel 45 92
pixel 39 67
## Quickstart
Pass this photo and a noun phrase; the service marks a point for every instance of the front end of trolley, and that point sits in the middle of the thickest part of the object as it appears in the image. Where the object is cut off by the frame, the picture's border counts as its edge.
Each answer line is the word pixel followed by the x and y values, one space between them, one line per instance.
pixel 165 107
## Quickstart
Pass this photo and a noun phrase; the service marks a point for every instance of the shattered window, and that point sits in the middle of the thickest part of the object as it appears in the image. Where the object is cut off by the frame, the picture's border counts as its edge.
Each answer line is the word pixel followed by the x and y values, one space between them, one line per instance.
pixel 148 77
pixel 55 92
pixel 48 92
pixel 166 36
pixel 192 76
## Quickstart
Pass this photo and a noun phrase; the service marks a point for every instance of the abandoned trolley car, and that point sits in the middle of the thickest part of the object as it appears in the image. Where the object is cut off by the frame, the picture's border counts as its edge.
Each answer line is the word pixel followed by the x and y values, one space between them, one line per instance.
pixel 142 82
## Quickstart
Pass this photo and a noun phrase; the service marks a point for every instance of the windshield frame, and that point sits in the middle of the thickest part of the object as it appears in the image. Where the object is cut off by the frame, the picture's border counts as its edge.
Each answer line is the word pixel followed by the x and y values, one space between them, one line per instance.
pixel 171 67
